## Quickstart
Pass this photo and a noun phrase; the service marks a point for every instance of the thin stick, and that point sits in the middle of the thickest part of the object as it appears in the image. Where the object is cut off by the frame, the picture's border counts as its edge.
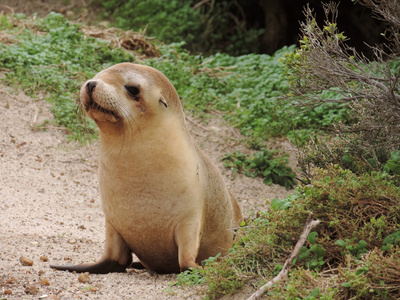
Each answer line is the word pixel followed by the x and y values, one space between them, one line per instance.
pixel 226 123
pixel 12 97
pixel 198 125
pixel 286 267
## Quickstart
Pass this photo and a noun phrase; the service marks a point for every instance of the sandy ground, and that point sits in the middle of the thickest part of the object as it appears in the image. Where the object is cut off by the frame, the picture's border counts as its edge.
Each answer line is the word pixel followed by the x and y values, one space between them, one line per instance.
pixel 50 209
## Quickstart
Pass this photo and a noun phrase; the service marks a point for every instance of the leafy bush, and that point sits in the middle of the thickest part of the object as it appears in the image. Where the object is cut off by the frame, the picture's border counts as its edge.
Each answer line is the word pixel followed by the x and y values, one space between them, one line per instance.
pixel 264 164
pixel 358 235
pixel 343 150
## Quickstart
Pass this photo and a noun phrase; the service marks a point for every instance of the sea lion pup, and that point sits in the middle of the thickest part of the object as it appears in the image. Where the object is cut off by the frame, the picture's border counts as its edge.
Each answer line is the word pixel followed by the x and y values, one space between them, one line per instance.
pixel 163 199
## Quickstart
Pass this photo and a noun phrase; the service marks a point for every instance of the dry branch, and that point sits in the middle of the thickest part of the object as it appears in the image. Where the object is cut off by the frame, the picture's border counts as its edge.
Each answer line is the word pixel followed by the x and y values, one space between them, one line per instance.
pixel 310 223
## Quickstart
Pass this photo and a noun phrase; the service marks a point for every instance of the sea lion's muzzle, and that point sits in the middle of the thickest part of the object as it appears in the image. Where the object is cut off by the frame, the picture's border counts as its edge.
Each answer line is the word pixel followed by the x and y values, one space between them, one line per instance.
pixel 96 103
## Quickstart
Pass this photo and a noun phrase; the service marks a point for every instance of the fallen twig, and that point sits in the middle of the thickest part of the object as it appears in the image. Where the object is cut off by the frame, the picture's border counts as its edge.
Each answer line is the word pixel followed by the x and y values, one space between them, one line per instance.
pixel 310 223
pixel 226 123
pixel 12 97
pixel 198 125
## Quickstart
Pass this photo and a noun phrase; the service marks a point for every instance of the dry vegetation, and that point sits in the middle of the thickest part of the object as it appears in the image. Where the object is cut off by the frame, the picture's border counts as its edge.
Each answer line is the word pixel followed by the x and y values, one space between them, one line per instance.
pixel 370 88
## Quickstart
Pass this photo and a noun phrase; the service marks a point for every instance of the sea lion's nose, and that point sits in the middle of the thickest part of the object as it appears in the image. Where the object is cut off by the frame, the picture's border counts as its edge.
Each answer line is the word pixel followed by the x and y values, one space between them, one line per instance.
pixel 90 86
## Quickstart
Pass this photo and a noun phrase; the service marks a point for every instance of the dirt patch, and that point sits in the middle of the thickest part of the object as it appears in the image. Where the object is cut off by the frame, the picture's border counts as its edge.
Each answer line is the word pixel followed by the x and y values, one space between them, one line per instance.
pixel 73 9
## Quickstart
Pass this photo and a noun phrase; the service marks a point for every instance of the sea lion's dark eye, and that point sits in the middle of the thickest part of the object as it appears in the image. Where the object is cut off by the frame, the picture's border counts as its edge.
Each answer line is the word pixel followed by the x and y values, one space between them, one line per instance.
pixel 133 91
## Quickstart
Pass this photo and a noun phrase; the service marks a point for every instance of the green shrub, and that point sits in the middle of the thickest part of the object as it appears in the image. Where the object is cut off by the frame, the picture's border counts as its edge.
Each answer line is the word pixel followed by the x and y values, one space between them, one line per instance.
pixel 346 152
pixel 273 168
pixel 357 237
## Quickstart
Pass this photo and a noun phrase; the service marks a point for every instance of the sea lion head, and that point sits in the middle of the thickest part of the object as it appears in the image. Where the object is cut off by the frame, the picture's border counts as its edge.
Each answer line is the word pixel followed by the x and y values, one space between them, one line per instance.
pixel 127 94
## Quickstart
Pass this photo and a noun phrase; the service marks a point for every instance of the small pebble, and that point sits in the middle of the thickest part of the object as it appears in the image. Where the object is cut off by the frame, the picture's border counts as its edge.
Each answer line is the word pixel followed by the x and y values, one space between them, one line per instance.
pixel 93 289
pixel 25 261
pixel 31 289
pixel 44 258
pixel 7 292
pixel 44 281
pixel 12 280
pixel 84 278
pixel 214 129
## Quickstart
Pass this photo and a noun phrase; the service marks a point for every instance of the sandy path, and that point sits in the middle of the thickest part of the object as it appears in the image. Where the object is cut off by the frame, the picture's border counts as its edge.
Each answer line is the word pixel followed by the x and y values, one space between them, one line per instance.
pixel 50 208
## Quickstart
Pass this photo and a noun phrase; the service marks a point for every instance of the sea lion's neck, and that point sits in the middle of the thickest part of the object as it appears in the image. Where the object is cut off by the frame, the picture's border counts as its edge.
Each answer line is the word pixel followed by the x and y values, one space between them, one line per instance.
pixel 137 140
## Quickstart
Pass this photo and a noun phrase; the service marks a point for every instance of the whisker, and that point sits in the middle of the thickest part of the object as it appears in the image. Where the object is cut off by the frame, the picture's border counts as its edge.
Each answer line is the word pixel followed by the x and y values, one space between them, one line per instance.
pixel 128 116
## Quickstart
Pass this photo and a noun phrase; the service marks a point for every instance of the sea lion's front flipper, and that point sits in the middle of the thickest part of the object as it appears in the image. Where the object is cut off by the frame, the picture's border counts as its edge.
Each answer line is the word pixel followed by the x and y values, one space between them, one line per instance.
pixel 187 238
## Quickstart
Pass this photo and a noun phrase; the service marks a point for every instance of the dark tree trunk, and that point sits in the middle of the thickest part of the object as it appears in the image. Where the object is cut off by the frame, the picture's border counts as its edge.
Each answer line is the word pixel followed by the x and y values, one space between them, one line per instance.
pixel 275 20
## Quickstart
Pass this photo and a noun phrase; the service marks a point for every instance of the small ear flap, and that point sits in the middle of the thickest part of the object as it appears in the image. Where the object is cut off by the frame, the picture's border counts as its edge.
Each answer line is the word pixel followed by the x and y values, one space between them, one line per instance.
pixel 162 100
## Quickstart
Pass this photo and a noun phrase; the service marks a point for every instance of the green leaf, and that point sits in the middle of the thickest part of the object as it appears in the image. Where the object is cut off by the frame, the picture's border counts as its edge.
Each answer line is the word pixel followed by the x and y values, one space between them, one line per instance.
pixel 346 284
pixel 304 253
pixel 393 166
pixel 312 237
pixel 316 248
pixel 340 243
pixel 268 180
pixel 275 203
pixel 346 158
pixel 361 245
pixel 278 268
pixel 284 204
pixel 266 172
pixel 395 155
pixel 392 239
pixel 362 270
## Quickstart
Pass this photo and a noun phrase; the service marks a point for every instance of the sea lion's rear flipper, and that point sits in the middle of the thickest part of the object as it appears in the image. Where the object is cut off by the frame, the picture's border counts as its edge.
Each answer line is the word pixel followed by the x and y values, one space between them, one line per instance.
pixel 116 257
pixel 101 267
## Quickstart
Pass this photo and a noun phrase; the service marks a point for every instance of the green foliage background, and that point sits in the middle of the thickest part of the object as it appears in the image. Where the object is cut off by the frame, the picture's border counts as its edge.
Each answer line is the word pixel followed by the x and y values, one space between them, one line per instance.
pixel 207 29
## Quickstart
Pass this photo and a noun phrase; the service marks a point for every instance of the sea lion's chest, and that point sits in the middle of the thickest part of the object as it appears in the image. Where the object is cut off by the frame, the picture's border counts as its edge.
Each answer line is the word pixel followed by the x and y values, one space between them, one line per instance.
pixel 144 192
